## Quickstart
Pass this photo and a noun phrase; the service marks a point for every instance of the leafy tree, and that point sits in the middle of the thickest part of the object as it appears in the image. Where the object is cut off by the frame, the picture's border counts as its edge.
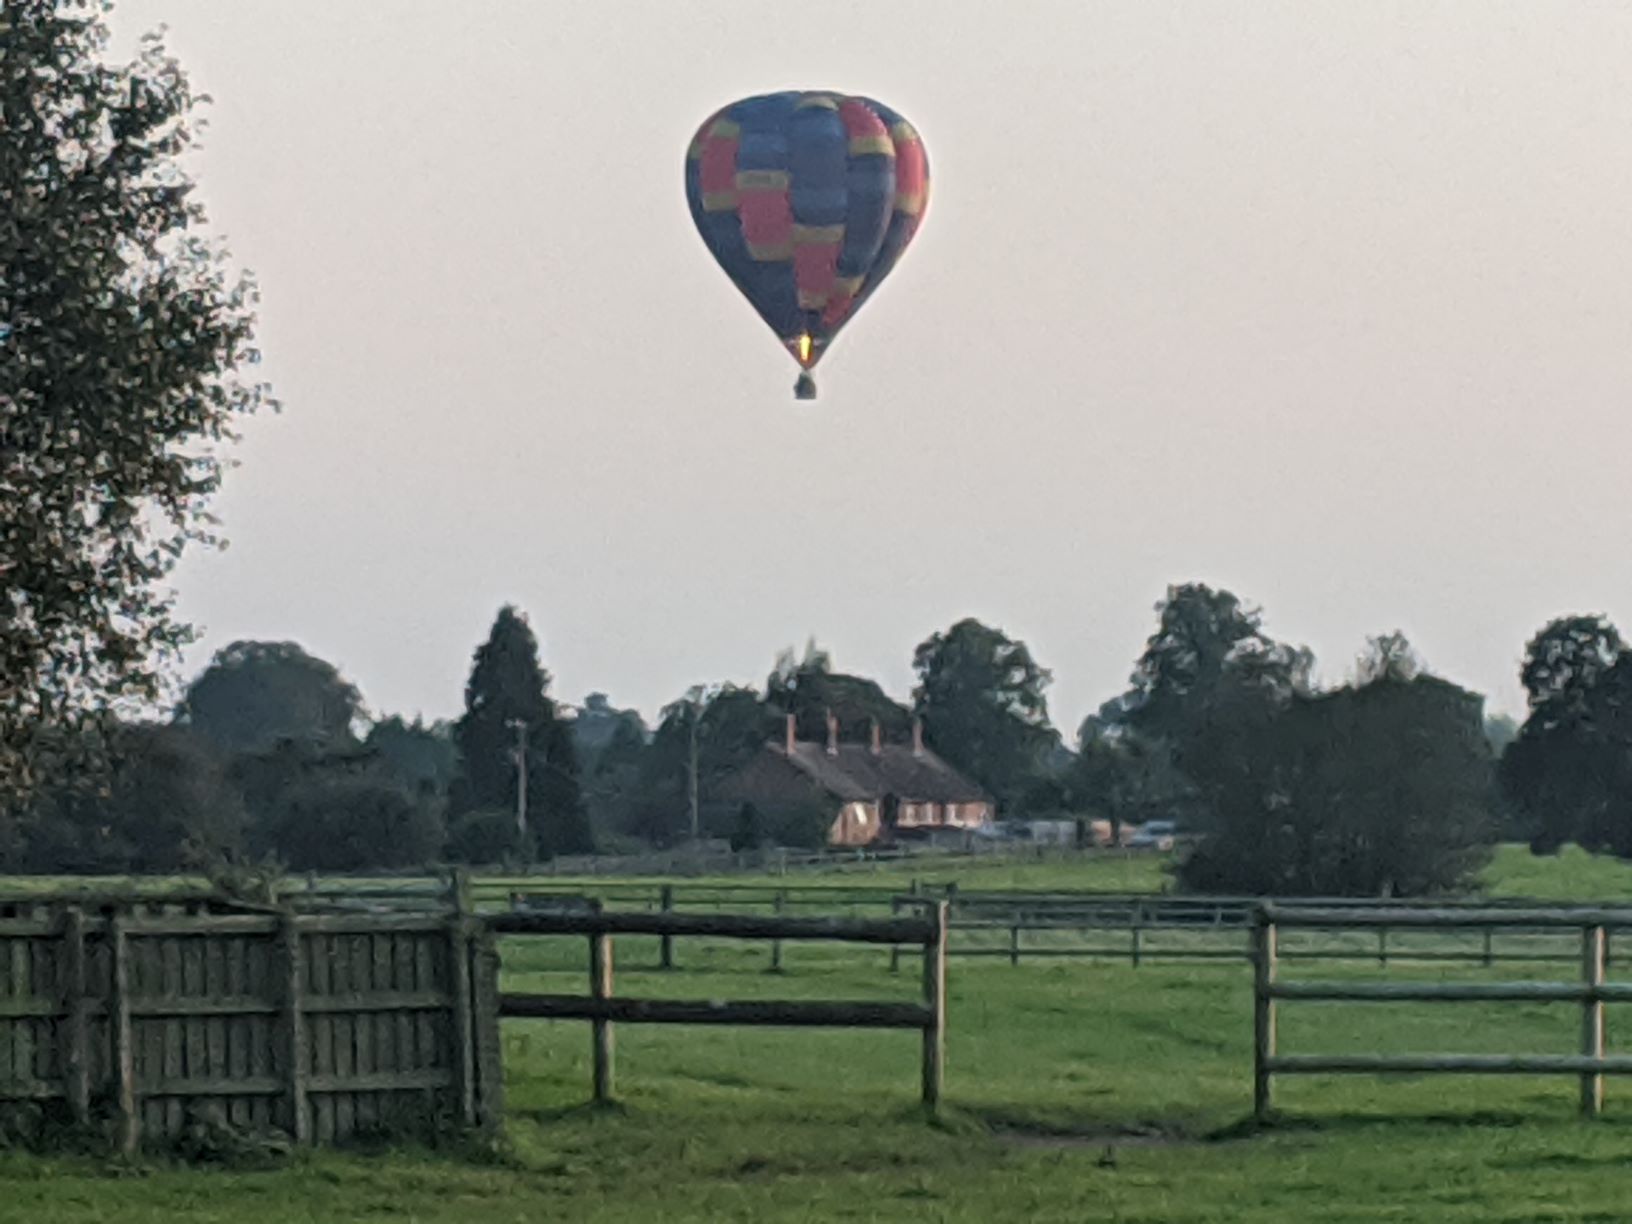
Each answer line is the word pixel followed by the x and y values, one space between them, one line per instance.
pixel 255 695
pixel 1569 773
pixel 1562 775
pixel 599 727
pixel 420 758
pixel 1564 660
pixel 1208 671
pixel 124 341
pixel 508 688
pixel 704 735
pixel 1204 637
pixel 811 690
pixel 980 694
pixel 484 837
pixel 1127 778
pixel 167 806
pixel 354 824
pixel 1382 787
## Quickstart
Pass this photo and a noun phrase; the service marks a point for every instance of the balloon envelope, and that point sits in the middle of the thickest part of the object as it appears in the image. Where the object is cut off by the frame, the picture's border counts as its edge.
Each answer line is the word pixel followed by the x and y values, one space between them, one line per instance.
pixel 807 200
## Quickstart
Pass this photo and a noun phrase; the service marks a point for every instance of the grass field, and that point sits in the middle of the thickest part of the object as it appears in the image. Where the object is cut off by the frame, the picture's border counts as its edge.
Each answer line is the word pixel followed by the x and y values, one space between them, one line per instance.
pixel 1049 1066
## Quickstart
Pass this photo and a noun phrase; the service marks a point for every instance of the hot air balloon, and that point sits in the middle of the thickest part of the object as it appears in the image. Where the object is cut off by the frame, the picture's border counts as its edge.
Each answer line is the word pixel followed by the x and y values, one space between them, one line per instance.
pixel 807 200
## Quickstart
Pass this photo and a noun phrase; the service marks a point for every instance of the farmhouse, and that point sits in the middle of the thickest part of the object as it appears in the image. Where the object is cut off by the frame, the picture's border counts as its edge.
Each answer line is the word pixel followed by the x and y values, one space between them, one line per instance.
pixel 876 792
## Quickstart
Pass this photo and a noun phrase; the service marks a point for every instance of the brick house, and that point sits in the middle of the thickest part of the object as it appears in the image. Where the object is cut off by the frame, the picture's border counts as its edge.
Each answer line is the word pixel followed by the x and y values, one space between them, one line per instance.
pixel 877 792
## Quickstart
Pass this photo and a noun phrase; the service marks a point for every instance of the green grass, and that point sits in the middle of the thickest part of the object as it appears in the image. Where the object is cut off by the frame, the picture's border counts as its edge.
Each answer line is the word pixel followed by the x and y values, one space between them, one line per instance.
pixel 1570 875
pixel 1049 1064
pixel 1513 872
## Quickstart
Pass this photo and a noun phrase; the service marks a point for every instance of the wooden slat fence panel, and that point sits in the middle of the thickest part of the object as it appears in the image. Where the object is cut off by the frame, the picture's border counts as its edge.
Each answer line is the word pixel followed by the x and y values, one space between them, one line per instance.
pixel 173 1012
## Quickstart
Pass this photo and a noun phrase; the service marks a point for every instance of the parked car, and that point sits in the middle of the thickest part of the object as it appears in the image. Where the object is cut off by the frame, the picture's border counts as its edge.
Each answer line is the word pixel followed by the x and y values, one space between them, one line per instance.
pixel 1154 835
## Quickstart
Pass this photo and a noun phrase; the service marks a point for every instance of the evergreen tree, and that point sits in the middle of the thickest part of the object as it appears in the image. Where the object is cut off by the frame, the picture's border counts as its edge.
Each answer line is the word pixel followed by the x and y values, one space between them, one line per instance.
pixel 506 704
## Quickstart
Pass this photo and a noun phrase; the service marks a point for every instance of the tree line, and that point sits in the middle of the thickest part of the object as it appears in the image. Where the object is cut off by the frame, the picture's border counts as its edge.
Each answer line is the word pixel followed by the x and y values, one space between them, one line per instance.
pixel 1391 783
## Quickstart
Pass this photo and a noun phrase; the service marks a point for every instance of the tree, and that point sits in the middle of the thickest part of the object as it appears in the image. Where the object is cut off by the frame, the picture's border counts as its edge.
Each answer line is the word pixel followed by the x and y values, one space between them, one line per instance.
pixel 418 757
pixel 980 695
pixel 811 691
pixel 1564 660
pixel 506 702
pixel 124 346
pixel 1208 671
pixel 255 695
pixel 1568 775
pixel 167 806
pixel 702 736
pixel 598 727
pixel 1204 635
pixel 485 837
pixel 353 824
pixel 1381 788
pixel 1562 775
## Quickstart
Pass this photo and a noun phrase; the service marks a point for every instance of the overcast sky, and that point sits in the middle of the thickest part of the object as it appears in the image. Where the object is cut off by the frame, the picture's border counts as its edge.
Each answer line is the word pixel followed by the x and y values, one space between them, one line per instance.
pixel 1328 303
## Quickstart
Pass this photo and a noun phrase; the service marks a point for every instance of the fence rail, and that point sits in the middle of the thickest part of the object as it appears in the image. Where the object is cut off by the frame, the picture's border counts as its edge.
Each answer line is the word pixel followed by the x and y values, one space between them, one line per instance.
pixel 603 1007
pixel 1592 992
pixel 1020 925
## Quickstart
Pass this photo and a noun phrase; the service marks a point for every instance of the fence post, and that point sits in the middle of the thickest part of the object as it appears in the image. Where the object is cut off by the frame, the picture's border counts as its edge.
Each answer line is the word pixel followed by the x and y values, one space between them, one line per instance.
pixel 77 1053
pixel 489 1051
pixel 778 904
pixel 1592 1018
pixel 463 1060
pixel 600 987
pixel 895 949
pixel 294 1024
pixel 1014 937
pixel 1382 945
pixel 1263 1012
pixel 935 1000
pixel 1136 922
pixel 124 1049
pixel 665 901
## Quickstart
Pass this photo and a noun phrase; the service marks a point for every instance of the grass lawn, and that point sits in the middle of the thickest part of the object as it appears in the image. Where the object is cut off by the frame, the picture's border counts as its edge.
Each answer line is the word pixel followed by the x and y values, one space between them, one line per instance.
pixel 1049 1065
pixel 1077 1091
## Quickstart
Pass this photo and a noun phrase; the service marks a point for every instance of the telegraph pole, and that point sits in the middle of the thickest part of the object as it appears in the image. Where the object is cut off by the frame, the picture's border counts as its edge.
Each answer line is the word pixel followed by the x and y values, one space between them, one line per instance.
pixel 520 754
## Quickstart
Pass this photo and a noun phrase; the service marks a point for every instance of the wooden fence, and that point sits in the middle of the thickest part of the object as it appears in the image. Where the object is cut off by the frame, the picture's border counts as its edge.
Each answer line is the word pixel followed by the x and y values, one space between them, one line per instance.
pixel 141 1016
pixel 603 1007
pixel 1592 991
pixel 1015 925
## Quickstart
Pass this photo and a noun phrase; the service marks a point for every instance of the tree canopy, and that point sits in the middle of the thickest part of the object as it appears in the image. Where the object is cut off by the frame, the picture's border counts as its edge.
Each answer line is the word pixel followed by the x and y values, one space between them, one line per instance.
pixel 126 343
pixel 810 690
pixel 254 695
pixel 1384 787
pixel 981 697
pixel 1568 773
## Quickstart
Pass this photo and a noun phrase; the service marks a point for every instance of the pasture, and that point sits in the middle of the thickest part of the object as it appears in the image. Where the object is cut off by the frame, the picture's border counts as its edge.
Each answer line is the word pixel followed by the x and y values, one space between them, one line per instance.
pixel 1076 1090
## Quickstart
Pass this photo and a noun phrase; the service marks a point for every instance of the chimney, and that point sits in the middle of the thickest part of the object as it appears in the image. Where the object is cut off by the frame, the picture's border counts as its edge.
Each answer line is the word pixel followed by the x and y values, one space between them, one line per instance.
pixel 917 737
pixel 832 735
pixel 790 736
pixel 878 739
